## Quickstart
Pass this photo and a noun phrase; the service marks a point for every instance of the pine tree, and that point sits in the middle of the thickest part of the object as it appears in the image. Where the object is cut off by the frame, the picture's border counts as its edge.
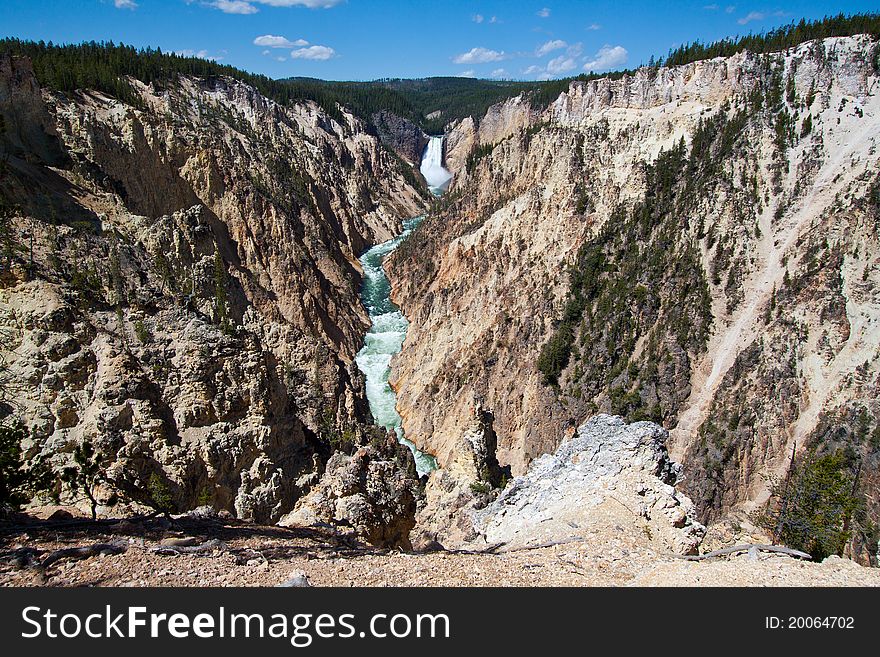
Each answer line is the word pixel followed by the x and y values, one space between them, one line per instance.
pixel 811 510
pixel 221 300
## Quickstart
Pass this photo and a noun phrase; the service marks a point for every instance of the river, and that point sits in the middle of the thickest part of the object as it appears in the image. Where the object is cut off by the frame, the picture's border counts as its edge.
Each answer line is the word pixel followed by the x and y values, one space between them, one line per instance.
pixel 388 325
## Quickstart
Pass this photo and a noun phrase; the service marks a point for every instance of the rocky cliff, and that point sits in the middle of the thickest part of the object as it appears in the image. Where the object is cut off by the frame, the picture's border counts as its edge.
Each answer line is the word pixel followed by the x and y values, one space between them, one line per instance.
pixel 180 284
pixel 403 136
pixel 500 122
pixel 694 245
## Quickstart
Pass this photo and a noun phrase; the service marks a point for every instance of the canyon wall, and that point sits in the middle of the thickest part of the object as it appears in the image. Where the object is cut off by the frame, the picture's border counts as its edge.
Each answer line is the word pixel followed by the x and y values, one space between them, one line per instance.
pixel 694 245
pixel 183 289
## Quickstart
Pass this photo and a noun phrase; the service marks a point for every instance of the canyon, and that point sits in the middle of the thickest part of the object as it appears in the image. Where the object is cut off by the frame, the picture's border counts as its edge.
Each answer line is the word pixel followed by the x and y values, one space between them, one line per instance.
pixel 623 313
pixel 190 301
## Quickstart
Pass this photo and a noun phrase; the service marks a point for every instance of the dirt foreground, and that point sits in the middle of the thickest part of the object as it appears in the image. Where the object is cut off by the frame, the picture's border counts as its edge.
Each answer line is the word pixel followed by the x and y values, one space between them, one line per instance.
pixel 191 552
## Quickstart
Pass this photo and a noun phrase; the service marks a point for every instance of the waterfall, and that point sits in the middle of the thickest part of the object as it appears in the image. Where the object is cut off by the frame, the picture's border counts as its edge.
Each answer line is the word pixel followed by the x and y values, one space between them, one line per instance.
pixel 432 166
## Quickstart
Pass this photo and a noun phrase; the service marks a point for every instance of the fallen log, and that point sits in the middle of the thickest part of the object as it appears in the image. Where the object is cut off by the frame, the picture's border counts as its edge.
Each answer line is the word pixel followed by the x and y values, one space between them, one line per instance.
pixel 84 552
pixel 208 546
pixel 188 541
pixel 752 548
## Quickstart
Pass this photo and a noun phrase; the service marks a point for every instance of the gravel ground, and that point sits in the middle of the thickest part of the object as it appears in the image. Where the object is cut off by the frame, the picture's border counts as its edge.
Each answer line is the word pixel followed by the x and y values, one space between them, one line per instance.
pixel 267 556
pixel 769 570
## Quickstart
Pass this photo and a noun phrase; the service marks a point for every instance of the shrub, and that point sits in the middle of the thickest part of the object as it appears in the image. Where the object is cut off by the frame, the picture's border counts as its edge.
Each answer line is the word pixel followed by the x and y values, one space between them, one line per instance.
pixel 19 482
pixel 807 126
pixel 811 509
pixel 86 473
pixel 481 488
pixel 555 354
pixel 160 495
pixel 142 332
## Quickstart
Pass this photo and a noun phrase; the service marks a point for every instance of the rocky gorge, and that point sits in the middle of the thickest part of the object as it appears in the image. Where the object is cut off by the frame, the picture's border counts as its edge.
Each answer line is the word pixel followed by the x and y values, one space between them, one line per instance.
pixel 632 311
pixel 189 301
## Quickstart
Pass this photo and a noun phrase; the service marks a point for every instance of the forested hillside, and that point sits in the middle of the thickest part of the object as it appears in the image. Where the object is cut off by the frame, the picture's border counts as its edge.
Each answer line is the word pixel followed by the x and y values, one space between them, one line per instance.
pixel 430 103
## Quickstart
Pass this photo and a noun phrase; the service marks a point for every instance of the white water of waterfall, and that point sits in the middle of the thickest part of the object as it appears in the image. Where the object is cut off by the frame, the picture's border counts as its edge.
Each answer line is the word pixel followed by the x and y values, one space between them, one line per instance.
pixel 432 166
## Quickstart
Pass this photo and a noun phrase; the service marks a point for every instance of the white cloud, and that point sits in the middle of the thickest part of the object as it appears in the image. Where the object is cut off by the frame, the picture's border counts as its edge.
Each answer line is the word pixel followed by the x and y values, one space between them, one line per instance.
pixel 607 58
pixel 544 13
pixel 550 46
pixel 493 20
pixel 272 41
pixel 233 6
pixel 758 16
pixel 479 56
pixel 556 67
pixel 201 54
pixel 594 26
pixel 477 18
pixel 711 7
pixel 125 4
pixel 318 53
pixel 729 9
pixel 561 65
pixel 752 16
pixel 467 74
pixel 248 6
pixel 498 73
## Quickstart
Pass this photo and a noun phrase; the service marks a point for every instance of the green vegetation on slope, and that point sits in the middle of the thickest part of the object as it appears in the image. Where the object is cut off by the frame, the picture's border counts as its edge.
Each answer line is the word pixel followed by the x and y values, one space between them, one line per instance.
pixel 782 38
pixel 431 103
pixel 455 98
pixel 104 66
pixel 639 280
pixel 362 98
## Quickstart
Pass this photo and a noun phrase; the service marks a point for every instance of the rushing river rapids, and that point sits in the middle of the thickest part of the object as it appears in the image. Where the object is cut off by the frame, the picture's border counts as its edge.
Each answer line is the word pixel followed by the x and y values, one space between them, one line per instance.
pixel 388 327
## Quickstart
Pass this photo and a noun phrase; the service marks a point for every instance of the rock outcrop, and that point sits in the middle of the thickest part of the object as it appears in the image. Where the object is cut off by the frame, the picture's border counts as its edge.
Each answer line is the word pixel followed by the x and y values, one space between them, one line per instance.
pixel 403 136
pixel 468 482
pixel 500 122
pixel 374 492
pixel 609 473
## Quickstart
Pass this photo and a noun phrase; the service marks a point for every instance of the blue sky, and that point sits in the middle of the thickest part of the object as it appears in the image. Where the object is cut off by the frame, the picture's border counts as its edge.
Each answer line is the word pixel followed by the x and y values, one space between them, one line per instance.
pixel 368 39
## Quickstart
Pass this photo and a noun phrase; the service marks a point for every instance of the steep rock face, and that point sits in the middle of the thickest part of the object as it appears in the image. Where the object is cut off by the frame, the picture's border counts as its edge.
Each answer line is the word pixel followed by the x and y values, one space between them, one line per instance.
pixel 191 306
pixel 29 129
pixel 469 481
pixel 405 137
pixel 500 122
pixel 750 241
pixel 608 472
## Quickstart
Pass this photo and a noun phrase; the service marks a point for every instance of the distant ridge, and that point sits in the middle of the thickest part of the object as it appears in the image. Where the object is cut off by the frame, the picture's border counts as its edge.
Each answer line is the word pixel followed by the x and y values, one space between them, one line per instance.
pixel 103 66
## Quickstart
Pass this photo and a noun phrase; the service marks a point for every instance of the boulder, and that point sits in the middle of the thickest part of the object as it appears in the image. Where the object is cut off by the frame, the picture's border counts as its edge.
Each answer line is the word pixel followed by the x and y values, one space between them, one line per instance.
pixel 373 491
pixel 610 474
